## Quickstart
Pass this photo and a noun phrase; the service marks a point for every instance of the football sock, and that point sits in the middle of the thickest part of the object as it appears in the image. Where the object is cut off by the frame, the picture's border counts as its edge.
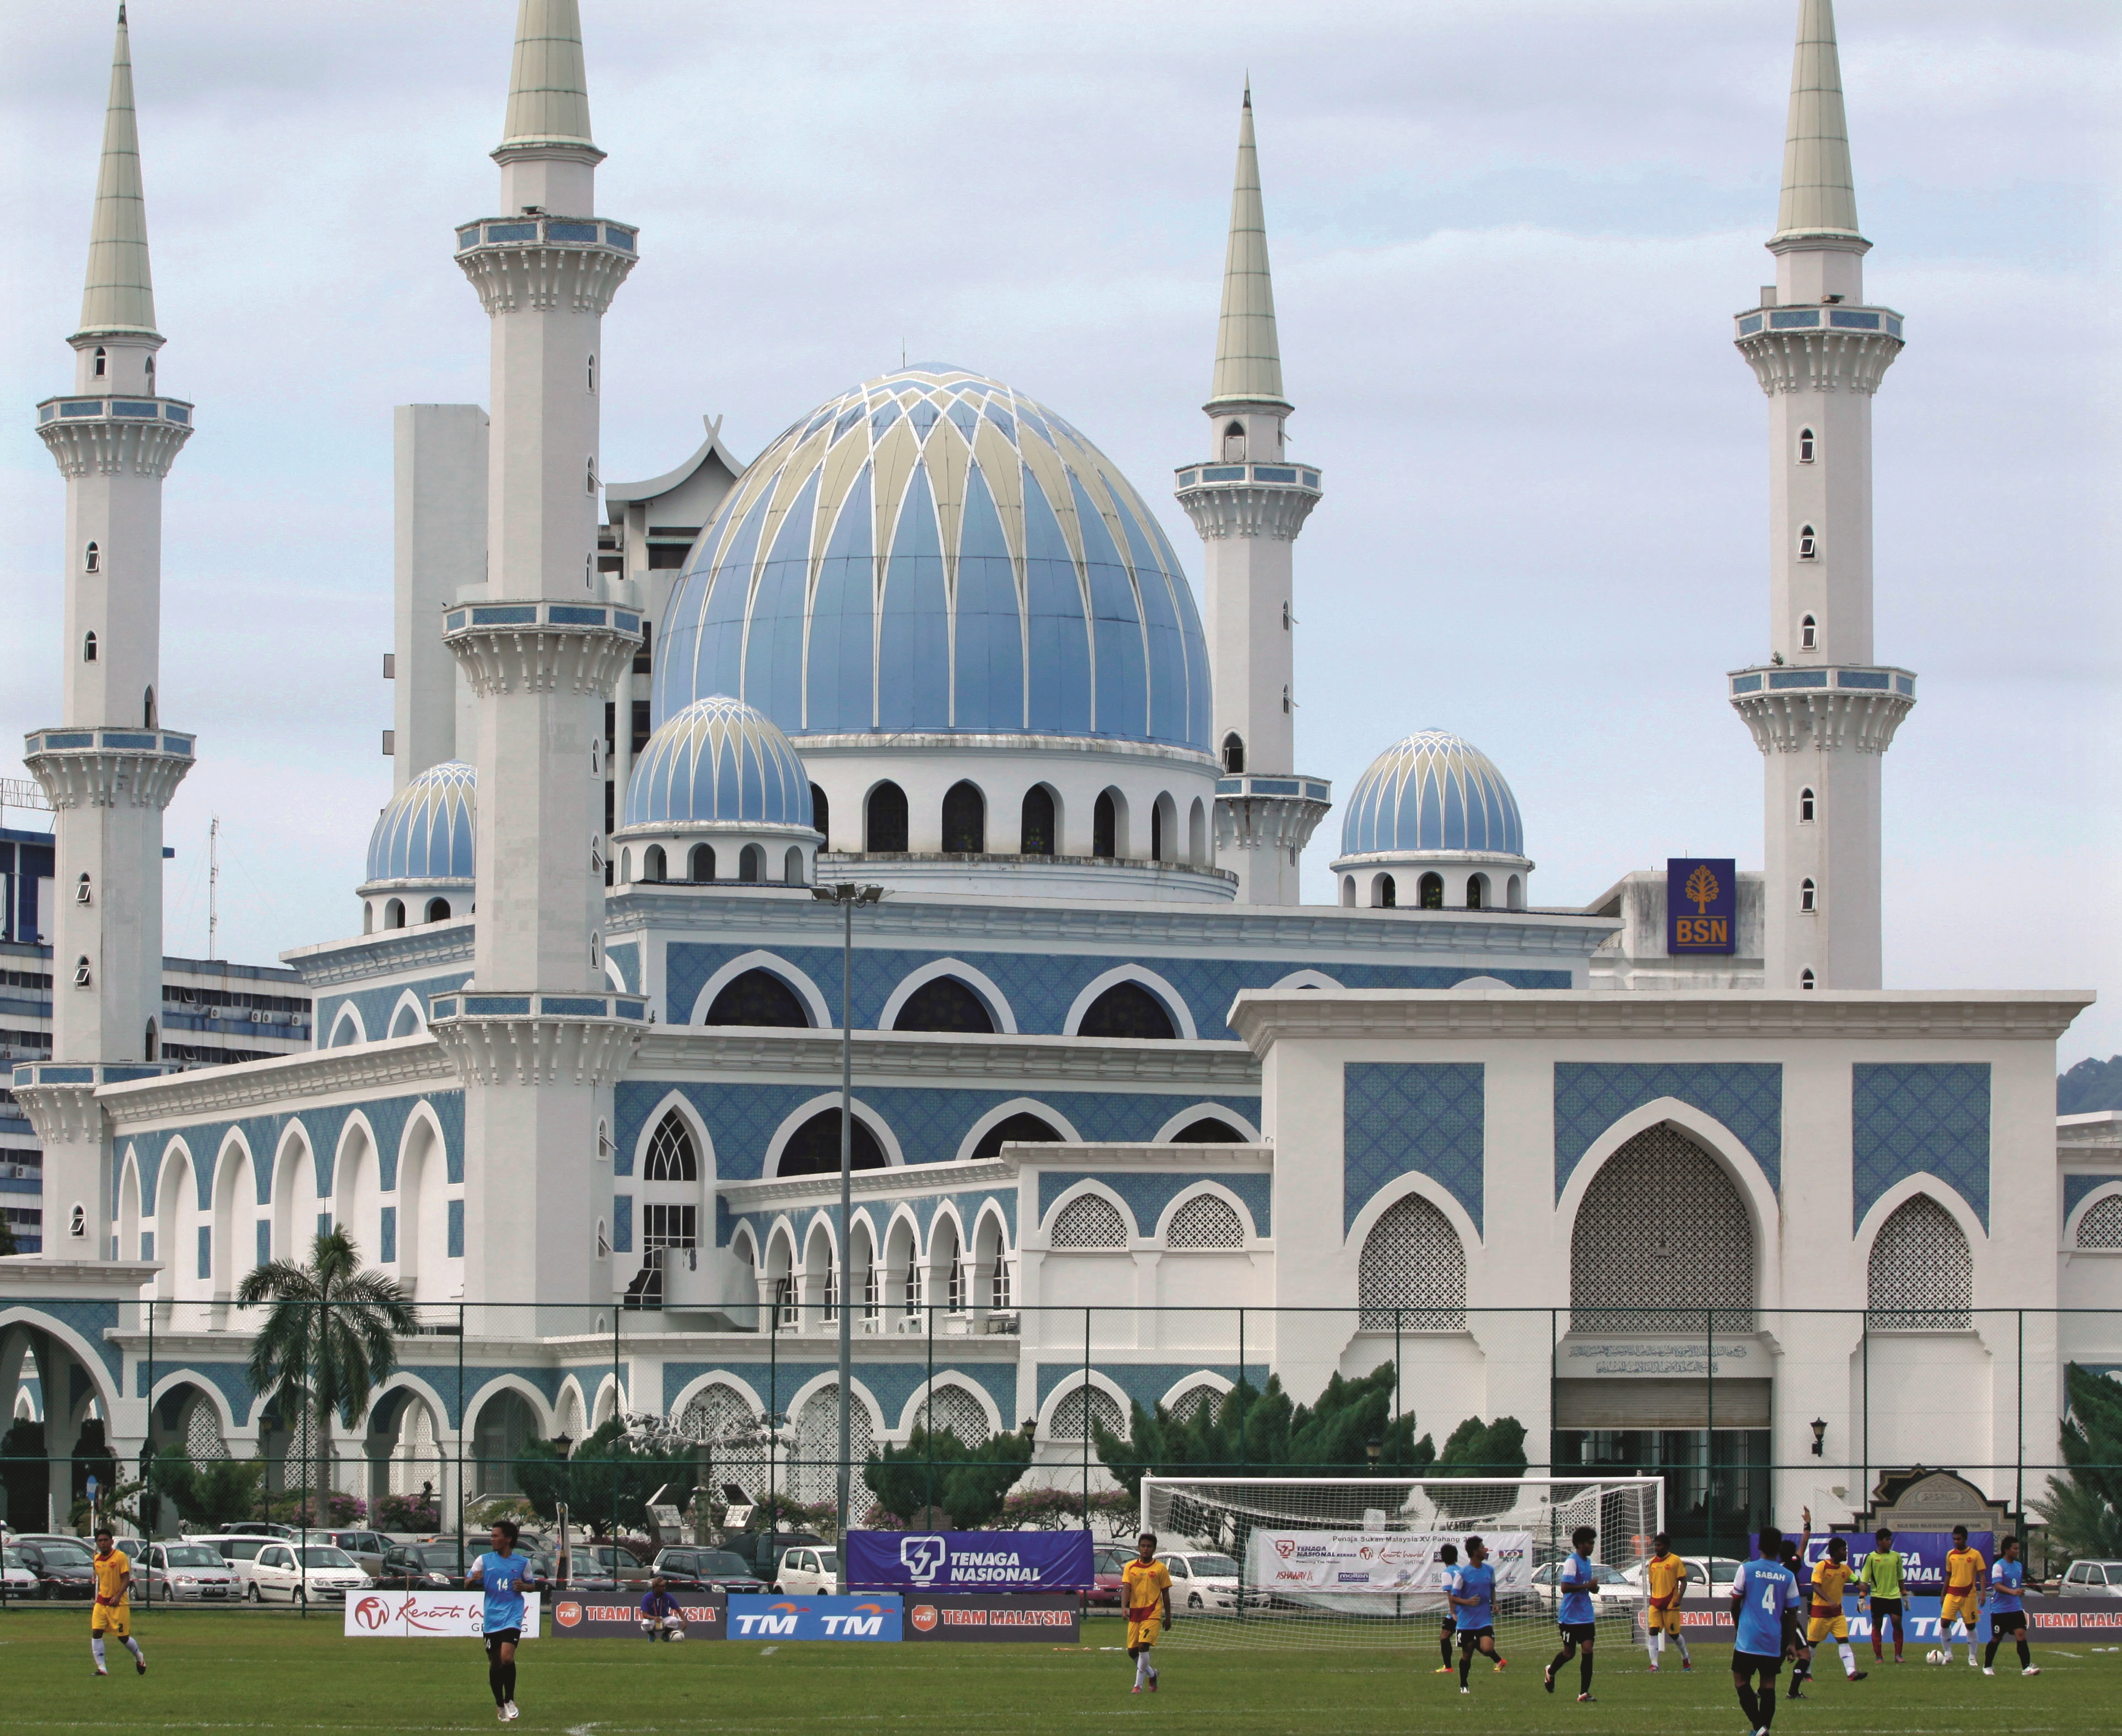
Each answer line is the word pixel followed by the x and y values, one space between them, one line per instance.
pixel 2026 1656
pixel 1680 1640
pixel 96 1645
pixel 509 1683
pixel 1561 1658
pixel 1444 1647
pixel 1141 1667
pixel 1657 1645
pixel 493 1682
pixel 1465 1662
pixel 133 1645
pixel 1748 1704
pixel 1849 1657
pixel 1584 1672
pixel 1769 1708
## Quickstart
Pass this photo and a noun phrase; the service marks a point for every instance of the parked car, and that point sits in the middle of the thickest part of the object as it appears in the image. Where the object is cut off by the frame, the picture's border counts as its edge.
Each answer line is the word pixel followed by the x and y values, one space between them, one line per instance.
pixel 185 1572
pixel 1204 1582
pixel 260 1528
pixel 808 1573
pixel 1106 1584
pixel 761 1551
pixel 16 1576
pixel 2092 1580
pixel 63 1565
pixel 366 1547
pixel 1705 1574
pixel 706 1569
pixel 297 1573
pixel 240 1551
pixel 1614 1590
pixel 421 1567
pixel 610 1563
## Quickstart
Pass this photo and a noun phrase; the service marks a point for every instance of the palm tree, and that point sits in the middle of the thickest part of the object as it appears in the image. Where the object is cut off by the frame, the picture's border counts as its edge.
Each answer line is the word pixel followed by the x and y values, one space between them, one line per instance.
pixel 331 1336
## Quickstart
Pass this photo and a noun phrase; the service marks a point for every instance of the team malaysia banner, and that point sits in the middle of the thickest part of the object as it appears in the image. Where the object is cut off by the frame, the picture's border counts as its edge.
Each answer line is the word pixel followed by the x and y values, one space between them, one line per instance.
pixel 427 1615
pixel 604 1616
pixel 1371 1563
pixel 909 1561
pixel 1001 1616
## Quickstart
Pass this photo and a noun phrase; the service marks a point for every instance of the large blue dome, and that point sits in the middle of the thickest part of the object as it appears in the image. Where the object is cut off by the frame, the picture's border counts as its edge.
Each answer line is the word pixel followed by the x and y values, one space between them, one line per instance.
pixel 718 759
pixel 1431 791
pixel 425 833
pixel 934 553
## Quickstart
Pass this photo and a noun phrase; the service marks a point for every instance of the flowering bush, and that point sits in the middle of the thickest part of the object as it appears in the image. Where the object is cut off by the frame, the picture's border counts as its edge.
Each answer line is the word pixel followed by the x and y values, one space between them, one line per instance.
pixel 407 1513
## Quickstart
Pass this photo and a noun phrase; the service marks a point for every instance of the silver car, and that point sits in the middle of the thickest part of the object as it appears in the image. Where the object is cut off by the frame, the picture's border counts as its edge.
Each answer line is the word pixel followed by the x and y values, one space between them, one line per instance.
pixel 185 1572
pixel 2092 1580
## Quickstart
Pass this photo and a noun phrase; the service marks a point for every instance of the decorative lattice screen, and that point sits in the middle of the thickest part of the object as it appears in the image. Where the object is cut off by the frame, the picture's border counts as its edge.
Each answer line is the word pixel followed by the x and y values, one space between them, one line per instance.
pixel 416 1459
pixel 1922 1270
pixel 955 1411
pixel 1187 1405
pixel 1412 1276
pixel 671 1156
pixel 1207 1221
pixel 1068 1423
pixel 1089 1221
pixel 2101 1225
pixel 203 1432
pixel 815 1476
pixel 719 1417
pixel 1663 1235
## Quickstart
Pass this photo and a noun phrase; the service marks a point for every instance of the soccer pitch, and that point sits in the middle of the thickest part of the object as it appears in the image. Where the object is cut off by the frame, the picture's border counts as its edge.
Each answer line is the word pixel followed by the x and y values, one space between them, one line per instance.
pixel 239 1670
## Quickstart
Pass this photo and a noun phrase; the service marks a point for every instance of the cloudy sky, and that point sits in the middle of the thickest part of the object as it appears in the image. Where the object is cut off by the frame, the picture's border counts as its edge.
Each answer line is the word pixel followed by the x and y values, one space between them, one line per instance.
pixel 1507 235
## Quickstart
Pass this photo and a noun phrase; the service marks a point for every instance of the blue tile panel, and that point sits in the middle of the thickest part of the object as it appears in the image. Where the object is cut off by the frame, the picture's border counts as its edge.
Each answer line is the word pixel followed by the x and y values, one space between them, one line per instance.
pixel 87 1321
pixel 930 1125
pixel 891 1384
pixel 626 954
pixel 2075 1188
pixel 1746 1096
pixel 1041 987
pixel 454 1388
pixel 1147 1196
pixel 1421 1117
pixel 622 1223
pixel 1146 1382
pixel 229 1378
pixel 456 1230
pixel 375 1006
pixel 1910 1118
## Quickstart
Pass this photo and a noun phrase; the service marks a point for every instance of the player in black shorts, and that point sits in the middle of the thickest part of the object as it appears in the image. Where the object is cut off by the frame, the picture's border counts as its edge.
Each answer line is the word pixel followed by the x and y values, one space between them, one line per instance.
pixel 1449 1554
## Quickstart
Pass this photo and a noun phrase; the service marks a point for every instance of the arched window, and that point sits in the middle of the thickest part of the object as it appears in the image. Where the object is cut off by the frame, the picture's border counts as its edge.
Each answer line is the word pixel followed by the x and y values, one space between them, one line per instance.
pixel 945 1003
pixel 792 866
pixel 1348 891
pixel 82 976
pixel 1067 1423
pixel 82 893
pixel 102 364
pixel 1922 1272
pixel 1808 543
pixel 1805 445
pixel 1385 893
pixel 1104 826
pixel 1429 892
pixel 814 1149
pixel 2102 1224
pixel 821 816
pixel 671 1156
pixel 149 1044
pixel 1517 892
pixel 654 865
pixel 1156 831
pixel 886 828
pixel 92 559
pixel 1036 832
pixel 1234 755
pixel 1024 1128
pixel 438 910
pixel 1805 980
pixel 1196 834
pixel 1412 1275
pixel 1808 897
pixel 589 477
pixel 1207 1221
pixel 952 1410
pixel 626 867
pixel 1662 1236
pixel 148 709
pixel 1207 1131
pixel 813 1472
pixel 1126 1010
pixel 751 865
pixel 700 864
pixel 1808 633
pixel 591 370
pixel 1234 443
pixel 964 820
pixel 1805 805
pixel 1089 1221
pixel 393 913
pixel 1477 892
pixel 757 997
pixel 88 648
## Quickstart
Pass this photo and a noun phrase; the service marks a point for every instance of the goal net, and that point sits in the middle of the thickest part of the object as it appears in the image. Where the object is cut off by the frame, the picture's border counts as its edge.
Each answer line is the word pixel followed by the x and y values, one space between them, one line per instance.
pixel 1358 1561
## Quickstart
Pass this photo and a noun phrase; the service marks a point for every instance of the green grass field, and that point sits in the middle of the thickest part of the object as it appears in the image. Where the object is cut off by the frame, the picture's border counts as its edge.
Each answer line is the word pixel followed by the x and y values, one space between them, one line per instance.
pixel 231 1670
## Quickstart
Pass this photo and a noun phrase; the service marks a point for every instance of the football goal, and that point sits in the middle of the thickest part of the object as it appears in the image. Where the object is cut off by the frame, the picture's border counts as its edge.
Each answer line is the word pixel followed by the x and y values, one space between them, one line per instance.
pixel 1358 1561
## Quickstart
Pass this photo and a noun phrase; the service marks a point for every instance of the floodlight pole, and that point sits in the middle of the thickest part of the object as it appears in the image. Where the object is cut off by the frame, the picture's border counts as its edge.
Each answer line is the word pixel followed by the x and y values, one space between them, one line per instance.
pixel 846 897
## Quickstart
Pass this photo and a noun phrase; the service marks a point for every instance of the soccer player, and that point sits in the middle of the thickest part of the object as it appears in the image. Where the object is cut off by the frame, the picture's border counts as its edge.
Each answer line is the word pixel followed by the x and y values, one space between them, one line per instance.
pixel 659 1619
pixel 1666 1574
pixel 1794 1646
pixel 1831 1579
pixel 112 1613
pixel 1764 1592
pixel 1449 1554
pixel 1879 1590
pixel 1145 1594
pixel 1579 1616
pixel 1473 1610
pixel 2008 1613
pixel 503 1574
pixel 1960 1611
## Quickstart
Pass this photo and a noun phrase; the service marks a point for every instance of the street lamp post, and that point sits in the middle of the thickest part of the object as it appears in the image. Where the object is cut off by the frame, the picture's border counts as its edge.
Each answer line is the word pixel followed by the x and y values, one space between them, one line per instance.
pixel 846 897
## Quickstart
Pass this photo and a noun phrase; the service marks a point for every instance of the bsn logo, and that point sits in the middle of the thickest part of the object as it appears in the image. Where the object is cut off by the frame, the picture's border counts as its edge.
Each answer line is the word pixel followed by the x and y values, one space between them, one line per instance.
pixel 922 1557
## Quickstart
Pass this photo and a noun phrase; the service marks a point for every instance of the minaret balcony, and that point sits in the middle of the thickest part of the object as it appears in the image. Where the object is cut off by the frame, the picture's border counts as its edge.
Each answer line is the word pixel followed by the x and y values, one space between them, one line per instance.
pixel 1249 499
pixel 541 262
pixel 108 432
pixel 536 1039
pixel 1819 347
pixel 1269 810
pixel 1823 706
pixel 541 647
pixel 101 767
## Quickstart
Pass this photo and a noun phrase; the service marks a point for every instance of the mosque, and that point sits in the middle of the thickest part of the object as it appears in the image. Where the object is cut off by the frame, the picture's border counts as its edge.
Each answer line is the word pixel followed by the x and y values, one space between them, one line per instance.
pixel 1130 1119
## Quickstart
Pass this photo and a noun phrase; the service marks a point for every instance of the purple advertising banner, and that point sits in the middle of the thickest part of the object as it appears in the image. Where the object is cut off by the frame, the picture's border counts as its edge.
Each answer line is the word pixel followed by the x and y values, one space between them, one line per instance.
pixel 910 1561
pixel 1701 904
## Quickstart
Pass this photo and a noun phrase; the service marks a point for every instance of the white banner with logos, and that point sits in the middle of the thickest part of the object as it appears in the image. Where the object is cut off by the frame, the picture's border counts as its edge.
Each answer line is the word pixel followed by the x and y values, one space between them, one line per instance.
pixel 1309 1565
pixel 427 1615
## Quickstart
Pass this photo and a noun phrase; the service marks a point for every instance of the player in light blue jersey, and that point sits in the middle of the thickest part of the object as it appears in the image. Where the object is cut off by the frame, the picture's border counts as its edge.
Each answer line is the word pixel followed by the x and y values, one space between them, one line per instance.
pixel 1449 1554
pixel 1579 1616
pixel 1473 1609
pixel 503 1574
pixel 2007 1608
pixel 1763 1591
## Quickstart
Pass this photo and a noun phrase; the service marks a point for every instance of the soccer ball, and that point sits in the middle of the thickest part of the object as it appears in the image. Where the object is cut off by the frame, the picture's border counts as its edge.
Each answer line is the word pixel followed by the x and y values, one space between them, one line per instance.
pixel 1934 1657
pixel 677 1634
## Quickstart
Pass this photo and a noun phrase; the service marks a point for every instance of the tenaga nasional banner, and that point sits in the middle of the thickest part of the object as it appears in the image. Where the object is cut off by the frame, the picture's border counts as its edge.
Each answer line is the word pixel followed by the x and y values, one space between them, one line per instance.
pixel 969 1560
pixel 1701 904
pixel 1923 1556
pixel 1357 1563
pixel 427 1615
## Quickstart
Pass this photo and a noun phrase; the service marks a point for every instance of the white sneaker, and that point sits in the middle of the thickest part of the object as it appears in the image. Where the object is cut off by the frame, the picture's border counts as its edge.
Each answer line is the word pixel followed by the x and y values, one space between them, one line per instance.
pixel 513 1715
pixel 1466 1691
pixel 1989 1671
pixel 2032 1669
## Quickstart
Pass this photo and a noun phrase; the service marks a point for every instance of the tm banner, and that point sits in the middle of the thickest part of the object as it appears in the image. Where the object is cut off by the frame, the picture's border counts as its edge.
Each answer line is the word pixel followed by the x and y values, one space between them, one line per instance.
pixel 427 1615
pixel 908 1562
pixel 762 1615
pixel 1320 1567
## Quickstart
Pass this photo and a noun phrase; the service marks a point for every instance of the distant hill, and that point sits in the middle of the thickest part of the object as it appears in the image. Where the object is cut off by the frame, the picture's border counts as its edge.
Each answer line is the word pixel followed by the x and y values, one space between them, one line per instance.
pixel 2090 1085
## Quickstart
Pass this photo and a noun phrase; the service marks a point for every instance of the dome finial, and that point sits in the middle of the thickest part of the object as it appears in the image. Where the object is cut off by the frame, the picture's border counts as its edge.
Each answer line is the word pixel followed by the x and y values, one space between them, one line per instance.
pixel 119 294
pixel 1248 352
pixel 549 97
pixel 1820 190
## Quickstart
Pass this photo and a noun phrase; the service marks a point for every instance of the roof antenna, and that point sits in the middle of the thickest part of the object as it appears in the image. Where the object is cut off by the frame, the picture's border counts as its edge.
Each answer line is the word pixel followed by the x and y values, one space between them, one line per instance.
pixel 902 354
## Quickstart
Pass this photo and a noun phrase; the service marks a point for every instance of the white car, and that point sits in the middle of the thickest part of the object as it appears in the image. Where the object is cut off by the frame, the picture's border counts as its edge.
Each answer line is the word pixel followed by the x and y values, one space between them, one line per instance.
pixel 185 1572
pixel 808 1573
pixel 319 1573
pixel 239 1550
pixel 1701 1570
pixel 1204 1583
pixel 15 1574
pixel 1613 1591
pixel 2092 1580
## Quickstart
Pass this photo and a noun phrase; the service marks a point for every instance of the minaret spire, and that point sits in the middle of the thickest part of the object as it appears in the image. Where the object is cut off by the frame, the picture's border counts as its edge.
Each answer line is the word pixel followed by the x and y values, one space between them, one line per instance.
pixel 1820 191
pixel 120 296
pixel 1248 352
pixel 548 93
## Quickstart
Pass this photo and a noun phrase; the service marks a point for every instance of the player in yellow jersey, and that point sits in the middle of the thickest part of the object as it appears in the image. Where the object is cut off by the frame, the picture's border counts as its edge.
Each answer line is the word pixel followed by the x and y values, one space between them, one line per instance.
pixel 1831 1580
pixel 1146 1597
pixel 112 1613
pixel 1666 1576
pixel 1960 1611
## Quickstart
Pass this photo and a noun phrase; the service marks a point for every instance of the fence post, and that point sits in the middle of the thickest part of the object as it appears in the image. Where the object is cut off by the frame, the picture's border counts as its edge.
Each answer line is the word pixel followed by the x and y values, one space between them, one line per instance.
pixel 1238 1433
pixel 1709 1443
pixel 2019 1491
pixel 1085 1452
pixel 464 1418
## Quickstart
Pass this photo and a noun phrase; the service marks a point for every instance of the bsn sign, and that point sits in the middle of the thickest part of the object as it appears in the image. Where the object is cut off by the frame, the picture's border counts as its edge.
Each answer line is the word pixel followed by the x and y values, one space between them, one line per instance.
pixel 1701 905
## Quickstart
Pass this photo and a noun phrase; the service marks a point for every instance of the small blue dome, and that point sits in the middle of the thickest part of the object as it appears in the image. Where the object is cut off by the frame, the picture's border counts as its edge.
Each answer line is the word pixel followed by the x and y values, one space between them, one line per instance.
pixel 718 759
pixel 426 832
pixel 1433 791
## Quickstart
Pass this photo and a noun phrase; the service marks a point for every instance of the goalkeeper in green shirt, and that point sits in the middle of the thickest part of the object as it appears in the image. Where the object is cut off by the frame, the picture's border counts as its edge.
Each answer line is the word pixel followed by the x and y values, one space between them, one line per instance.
pixel 1879 1591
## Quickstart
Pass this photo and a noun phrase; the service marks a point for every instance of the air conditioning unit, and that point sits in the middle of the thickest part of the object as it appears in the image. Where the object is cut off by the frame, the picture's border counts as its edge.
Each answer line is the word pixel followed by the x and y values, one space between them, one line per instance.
pixel 911 1324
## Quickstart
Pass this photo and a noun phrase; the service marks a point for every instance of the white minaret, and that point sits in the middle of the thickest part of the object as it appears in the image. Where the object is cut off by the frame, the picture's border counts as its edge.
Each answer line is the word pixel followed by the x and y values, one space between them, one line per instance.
pixel 1249 501
pixel 540 1040
pixel 1821 711
pixel 109 769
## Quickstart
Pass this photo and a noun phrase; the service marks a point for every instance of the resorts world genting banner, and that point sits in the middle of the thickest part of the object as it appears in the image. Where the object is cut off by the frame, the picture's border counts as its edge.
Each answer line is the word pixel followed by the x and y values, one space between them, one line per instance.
pixel 427 1615
pixel 969 1560
pixel 1312 1564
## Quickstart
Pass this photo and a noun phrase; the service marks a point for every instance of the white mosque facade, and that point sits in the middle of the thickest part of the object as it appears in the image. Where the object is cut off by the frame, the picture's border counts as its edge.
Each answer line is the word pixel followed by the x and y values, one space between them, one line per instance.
pixel 1129 1118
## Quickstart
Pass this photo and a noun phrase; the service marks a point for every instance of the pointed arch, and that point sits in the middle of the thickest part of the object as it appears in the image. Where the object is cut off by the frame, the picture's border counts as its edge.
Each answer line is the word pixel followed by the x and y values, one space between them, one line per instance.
pixel 911 1417
pixel 865 1115
pixel 1243 1131
pixel 1920 1266
pixel 409 1016
pixel 347 1027
pixel 1159 988
pixel 1246 1230
pixel 1001 1112
pixel 1087 1222
pixel 976 979
pixel 797 980
pixel 1053 1427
